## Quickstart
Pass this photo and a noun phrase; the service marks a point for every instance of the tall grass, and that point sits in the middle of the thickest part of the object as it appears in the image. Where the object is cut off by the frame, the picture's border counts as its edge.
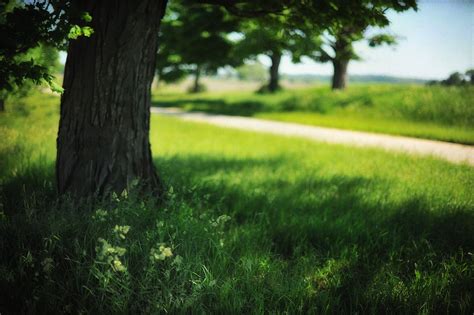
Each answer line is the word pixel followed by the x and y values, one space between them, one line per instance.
pixel 250 223
pixel 434 112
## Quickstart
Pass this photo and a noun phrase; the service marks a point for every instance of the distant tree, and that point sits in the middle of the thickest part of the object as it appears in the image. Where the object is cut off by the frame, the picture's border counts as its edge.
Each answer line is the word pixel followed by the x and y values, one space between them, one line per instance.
pixel 350 24
pixel 194 40
pixel 274 36
pixel 470 75
pixel 454 79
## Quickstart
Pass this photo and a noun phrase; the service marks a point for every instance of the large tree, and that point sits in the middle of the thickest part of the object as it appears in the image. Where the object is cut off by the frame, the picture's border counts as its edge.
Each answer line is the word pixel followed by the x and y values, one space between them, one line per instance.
pixel 194 39
pixel 103 139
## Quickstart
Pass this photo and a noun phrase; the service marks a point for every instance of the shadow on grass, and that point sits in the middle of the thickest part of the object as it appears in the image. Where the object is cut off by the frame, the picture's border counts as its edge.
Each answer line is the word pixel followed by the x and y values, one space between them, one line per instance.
pixel 31 187
pixel 243 108
pixel 314 209
pixel 293 102
pixel 310 211
pixel 329 219
pixel 336 225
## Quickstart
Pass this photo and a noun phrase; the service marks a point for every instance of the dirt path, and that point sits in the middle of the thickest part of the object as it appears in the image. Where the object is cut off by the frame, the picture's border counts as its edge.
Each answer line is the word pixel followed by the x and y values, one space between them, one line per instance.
pixel 456 153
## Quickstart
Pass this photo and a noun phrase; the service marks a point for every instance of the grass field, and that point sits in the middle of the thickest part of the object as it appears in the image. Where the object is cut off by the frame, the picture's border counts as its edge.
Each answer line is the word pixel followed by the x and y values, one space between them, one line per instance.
pixel 434 112
pixel 251 223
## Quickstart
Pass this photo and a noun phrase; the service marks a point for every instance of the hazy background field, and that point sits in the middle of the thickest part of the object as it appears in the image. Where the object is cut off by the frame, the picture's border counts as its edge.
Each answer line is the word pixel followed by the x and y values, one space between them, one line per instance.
pixel 416 110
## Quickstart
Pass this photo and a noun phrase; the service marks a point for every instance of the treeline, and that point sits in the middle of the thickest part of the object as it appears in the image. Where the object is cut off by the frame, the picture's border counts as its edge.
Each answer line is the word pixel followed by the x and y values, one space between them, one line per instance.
pixel 256 72
pixel 197 40
pixel 456 79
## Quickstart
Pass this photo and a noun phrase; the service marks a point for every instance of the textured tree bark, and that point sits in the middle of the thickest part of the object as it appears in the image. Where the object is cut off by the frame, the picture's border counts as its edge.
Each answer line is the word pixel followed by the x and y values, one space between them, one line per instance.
pixel 339 78
pixel 273 84
pixel 197 75
pixel 103 139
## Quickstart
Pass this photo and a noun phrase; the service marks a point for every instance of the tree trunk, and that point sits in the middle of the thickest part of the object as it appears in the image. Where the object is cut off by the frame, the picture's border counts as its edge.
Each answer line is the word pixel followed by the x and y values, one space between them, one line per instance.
pixel 197 74
pixel 274 84
pixel 2 105
pixel 339 78
pixel 103 139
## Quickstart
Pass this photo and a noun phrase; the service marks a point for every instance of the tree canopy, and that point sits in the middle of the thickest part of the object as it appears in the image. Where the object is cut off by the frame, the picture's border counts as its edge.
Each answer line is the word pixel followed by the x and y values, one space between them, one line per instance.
pixel 28 25
pixel 194 39
pixel 53 22
pixel 274 36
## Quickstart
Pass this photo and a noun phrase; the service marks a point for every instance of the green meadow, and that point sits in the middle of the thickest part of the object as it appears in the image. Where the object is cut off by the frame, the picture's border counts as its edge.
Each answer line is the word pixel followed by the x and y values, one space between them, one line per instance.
pixel 250 223
pixel 431 112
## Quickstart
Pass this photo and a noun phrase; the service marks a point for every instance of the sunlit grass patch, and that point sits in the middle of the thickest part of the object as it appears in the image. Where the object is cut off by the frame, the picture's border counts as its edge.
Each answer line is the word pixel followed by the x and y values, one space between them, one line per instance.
pixel 433 112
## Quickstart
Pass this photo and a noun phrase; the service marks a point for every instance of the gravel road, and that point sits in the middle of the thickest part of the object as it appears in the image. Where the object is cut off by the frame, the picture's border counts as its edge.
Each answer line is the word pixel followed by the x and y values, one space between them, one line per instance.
pixel 452 152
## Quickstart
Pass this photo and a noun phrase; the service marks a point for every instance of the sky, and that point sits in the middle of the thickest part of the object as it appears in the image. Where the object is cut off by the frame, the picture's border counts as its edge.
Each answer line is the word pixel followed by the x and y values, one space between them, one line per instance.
pixel 435 41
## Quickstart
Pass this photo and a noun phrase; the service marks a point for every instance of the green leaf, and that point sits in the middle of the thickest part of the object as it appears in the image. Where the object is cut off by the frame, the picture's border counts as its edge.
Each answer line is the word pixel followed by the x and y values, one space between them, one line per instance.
pixel 55 87
pixel 86 17
pixel 74 32
pixel 77 31
pixel 87 31
pixel 417 275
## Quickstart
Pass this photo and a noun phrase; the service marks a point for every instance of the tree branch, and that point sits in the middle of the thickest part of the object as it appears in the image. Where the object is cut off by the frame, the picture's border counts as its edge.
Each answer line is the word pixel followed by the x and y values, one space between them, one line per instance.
pixel 233 7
